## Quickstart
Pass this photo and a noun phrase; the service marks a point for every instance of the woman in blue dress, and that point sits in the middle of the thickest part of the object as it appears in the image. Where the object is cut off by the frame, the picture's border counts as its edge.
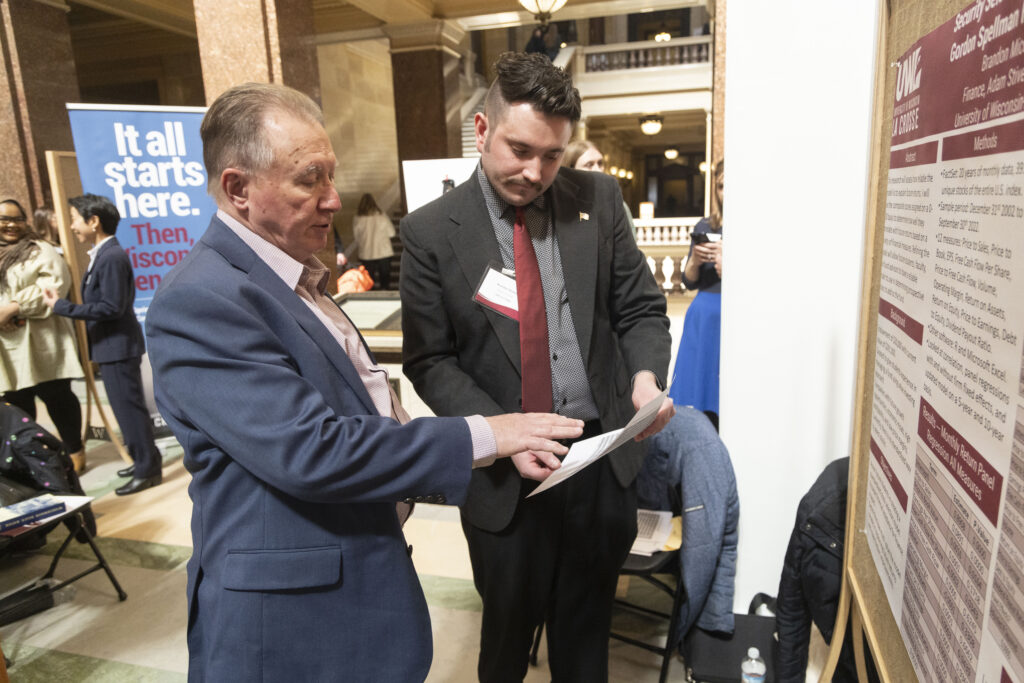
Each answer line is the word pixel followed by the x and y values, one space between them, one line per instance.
pixel 695 379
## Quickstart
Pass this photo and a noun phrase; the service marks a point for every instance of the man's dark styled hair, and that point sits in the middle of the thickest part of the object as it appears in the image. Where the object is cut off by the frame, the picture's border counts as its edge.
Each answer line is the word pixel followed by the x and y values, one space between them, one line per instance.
pixel 534 79
pixel 89 205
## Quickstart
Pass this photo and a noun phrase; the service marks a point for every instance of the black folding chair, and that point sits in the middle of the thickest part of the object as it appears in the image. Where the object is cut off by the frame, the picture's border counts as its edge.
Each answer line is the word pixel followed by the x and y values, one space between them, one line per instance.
pixel 38 595
pixel 646 568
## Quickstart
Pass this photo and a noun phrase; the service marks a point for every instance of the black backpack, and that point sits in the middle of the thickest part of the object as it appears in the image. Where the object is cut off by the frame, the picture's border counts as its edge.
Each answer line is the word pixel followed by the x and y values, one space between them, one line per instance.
pixel 34 461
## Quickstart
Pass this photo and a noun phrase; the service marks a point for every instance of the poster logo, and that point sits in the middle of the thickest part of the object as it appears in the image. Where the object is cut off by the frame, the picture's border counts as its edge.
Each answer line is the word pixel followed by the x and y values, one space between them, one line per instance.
pixel 908 78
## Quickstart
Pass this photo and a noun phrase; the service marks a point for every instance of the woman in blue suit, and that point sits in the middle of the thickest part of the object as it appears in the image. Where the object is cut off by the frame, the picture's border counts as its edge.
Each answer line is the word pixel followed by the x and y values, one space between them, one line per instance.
pixel 115 336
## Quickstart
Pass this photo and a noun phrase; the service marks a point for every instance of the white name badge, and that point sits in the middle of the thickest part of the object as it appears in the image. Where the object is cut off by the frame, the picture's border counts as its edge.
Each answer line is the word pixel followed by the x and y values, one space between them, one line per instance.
pixel 497 291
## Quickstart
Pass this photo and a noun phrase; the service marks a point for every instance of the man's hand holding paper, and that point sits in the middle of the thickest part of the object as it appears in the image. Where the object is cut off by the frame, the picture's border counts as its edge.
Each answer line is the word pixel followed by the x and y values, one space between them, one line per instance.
pixel 645 388
pixel 536 465
pixel 589 451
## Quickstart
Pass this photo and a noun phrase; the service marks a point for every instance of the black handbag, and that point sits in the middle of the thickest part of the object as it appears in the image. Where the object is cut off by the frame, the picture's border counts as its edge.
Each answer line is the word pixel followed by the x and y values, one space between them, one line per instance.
pixel 12 492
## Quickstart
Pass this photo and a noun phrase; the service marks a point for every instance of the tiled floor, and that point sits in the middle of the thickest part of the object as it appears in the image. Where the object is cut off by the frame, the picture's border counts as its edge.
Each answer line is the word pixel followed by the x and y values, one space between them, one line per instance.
pixel 145 538
pixel 93 637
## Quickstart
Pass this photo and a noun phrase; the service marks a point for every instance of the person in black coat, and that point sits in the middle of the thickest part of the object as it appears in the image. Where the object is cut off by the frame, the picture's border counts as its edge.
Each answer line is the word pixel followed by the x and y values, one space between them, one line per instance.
pixel 536 42
pixel 811 579
pixel 115 336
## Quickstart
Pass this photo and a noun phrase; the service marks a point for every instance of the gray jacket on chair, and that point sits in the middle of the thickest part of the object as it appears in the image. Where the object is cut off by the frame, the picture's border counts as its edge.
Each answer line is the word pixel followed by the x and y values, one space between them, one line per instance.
pixel 688 470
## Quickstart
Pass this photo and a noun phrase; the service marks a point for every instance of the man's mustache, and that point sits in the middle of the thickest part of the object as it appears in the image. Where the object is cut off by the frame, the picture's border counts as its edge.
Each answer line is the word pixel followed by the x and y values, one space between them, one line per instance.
pixel 522 182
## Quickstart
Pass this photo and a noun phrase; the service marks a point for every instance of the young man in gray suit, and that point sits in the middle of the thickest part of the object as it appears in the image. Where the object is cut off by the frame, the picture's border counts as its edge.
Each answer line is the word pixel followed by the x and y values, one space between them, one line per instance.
pixel 579 328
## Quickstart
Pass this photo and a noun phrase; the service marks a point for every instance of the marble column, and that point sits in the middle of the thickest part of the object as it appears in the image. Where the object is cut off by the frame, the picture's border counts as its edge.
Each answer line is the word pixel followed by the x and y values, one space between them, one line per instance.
pixel 37 80
pixel 425 73
pixel 717 88
pixel 272 41
pixel 709 175
pixel 268 42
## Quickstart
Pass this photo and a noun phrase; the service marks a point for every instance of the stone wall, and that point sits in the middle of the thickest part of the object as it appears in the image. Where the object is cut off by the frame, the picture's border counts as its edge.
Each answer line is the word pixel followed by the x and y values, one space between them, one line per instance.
pixel 358 103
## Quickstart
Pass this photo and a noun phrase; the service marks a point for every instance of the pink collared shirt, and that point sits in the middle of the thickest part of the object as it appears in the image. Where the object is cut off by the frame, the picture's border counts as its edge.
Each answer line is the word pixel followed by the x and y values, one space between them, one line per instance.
pixel 309 281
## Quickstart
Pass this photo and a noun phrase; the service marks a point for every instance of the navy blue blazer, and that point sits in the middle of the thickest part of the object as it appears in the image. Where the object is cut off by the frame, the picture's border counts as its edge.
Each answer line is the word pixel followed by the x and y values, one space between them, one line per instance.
pixel 108 293
pixel 300 570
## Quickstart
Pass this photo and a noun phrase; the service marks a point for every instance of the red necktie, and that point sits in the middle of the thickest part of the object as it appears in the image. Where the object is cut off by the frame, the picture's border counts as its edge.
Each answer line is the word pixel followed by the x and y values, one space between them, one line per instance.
pixel 533 322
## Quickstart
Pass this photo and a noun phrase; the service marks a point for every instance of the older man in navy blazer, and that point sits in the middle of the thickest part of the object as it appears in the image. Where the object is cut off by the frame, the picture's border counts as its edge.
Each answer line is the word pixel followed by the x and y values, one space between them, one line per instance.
pixel 115 336
pixel 297 446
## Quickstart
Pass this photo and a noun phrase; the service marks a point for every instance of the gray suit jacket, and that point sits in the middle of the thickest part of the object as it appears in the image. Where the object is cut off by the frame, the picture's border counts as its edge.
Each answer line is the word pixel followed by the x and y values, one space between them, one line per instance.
pixel 463 358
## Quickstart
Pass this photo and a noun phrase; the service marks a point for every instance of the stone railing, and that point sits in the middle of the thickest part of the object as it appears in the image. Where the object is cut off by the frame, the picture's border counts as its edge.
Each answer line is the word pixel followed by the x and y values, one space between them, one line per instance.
pixel 566 58
pixel 647 53
pixel 666 243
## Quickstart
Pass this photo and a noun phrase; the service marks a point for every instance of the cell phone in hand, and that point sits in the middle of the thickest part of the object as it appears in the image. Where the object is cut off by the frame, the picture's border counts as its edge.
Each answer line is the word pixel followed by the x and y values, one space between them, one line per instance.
pixel 699 238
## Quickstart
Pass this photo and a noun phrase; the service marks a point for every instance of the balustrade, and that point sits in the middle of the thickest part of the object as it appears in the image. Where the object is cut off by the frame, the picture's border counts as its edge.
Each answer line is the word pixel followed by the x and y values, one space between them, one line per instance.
pixel 666 242
pixel 649 53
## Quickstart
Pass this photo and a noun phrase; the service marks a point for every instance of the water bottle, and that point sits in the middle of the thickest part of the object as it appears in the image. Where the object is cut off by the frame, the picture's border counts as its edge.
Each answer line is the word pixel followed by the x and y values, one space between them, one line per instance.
pixel 753 668
pixel 63 595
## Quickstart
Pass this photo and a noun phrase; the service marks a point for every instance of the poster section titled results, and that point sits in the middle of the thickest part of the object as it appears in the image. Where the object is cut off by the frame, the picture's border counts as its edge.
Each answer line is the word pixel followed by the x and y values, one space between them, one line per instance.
pixel 945 499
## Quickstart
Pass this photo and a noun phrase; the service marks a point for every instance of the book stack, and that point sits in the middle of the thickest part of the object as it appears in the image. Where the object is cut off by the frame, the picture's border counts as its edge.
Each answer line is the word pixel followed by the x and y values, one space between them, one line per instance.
pixel 20 514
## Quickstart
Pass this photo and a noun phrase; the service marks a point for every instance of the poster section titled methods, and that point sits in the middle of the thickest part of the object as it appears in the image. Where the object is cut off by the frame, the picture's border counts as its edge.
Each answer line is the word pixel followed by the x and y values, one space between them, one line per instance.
pixel 149 162
pixel 945 496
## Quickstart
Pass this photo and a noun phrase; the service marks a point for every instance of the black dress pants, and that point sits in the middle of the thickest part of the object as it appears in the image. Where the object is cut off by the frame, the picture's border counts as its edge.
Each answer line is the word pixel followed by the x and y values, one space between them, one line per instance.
pixel 380 270
pixel 557 562
pixel 123 383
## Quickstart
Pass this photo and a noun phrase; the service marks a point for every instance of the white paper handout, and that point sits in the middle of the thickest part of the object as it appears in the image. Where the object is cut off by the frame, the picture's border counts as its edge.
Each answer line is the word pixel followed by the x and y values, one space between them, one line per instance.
pixel 652 530
pixel 589 451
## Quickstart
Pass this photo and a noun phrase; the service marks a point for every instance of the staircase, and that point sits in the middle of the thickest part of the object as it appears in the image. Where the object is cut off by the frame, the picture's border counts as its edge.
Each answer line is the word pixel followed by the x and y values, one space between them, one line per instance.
pixel 473 105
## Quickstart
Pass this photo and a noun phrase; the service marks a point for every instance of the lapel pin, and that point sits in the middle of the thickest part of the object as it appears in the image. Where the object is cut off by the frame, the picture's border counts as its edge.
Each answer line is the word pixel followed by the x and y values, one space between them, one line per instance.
pixel 584 216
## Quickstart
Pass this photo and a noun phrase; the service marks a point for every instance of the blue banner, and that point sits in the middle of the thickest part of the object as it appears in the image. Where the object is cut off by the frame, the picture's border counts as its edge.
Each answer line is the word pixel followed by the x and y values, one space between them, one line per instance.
pixel 149 162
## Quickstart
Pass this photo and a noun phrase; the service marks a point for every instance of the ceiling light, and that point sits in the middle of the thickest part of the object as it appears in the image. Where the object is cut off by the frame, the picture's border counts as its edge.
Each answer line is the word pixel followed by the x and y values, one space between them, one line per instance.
pixel 542 9
pixel 629 175
pixel 614 170
pixel 622 173
pixel 650 125
pixel 703 167
pixel 662 37
pixel 671 153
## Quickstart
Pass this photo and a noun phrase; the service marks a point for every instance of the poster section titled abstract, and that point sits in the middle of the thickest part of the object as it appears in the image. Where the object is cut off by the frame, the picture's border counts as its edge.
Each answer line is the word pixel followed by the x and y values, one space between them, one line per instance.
pixel 945 500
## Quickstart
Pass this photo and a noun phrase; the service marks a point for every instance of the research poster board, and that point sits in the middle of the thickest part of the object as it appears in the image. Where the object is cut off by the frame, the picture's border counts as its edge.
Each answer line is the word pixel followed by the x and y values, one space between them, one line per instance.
pixel 944 489
pixel 149 162
pixel 428 179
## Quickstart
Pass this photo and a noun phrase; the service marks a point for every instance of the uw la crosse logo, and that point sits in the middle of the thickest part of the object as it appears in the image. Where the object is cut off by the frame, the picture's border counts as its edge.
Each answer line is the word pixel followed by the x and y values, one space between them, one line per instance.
pixel 908 81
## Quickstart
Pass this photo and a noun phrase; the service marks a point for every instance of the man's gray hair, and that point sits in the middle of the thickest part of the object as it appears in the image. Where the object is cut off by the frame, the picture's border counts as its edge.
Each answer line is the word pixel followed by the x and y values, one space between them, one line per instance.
pixel 233 130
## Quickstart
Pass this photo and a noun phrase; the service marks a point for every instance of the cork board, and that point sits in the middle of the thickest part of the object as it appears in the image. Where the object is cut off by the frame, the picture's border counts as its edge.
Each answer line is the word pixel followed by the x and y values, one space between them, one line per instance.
pixel 940 394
